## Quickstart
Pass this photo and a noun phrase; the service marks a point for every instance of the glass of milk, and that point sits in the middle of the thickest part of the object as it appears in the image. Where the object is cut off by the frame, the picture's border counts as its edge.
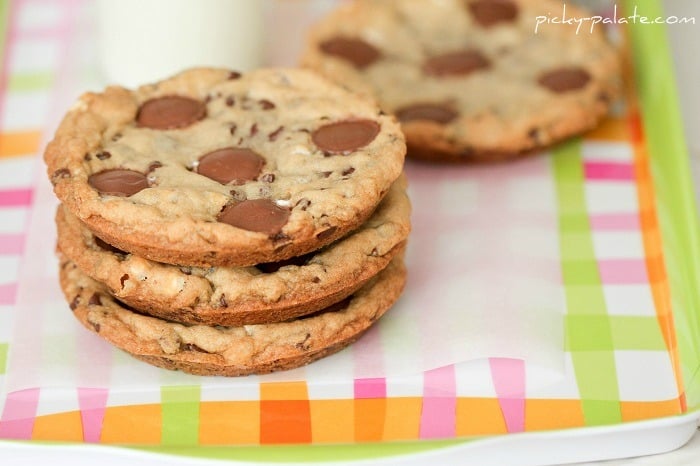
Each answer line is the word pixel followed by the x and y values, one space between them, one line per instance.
pixel 142 41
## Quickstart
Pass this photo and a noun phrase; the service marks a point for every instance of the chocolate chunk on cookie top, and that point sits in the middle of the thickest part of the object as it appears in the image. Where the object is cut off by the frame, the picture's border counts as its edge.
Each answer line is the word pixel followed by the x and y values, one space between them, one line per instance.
pixel 471 80
pixel 215 168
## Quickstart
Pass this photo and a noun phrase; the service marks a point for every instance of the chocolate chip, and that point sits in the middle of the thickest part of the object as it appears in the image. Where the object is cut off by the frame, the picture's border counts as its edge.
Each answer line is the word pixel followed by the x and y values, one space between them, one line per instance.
pixel 266 104
pixel 107 247
pixel 95 300
pixel 316 280
pixel 272 267
pixel 273 135
pixel 491 12
pixel 254 129
pixel 231 165
pixel 234 75
pixel 303 345
pixel 222 301
pixel 170 112
pixel 74 303
pixel 438 113
pixel 345 136
pixel 95 326
pixel 238 195
pixel 230 101
pixel 118 182
pixel 563 80
pixel 116 137
pixel 303 203
pixel 60 174
pixel 232 129
pixel 103 155
pixel 153 166
pixel 268 177
pixel 87 157
pixel 326 174
pixel 327 233
pixel 259 215
pixel 123 279
pixel 356 51
pixel 455 63
pixel 348 171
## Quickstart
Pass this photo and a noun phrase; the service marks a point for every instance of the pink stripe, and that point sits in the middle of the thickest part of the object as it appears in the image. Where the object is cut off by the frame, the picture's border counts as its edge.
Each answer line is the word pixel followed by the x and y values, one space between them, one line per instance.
pixel 439 415
pixel 17 421
pixel 508 377
pixel 8 293
pixel 609 171
pixel 93 403
pixel 615 222
pixel 623 271
pixel 12 243
pixel 16 197
pixel 370 388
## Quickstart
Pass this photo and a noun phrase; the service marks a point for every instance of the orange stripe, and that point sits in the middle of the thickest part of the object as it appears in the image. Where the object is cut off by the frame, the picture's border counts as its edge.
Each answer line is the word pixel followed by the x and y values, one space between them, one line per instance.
pixel 64 427
pixel 402 418
pixel 639 410
pixel 553 414
pixel 370 414
pixel 229 422
pixel 332 421
pixel 19 143
pixel 653 246
pixel 285 413
pixel 140 424
pixel 479 416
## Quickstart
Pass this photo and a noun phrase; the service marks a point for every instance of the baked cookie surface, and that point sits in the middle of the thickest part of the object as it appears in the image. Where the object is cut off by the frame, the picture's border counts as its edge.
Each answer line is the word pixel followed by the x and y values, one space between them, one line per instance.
pixel 211 167
pixel 234 296
pixel 230 351
pixel 471 80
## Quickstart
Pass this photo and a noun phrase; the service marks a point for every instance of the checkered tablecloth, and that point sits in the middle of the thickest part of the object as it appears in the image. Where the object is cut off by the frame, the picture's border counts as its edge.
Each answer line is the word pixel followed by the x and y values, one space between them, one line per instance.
pixel 627 357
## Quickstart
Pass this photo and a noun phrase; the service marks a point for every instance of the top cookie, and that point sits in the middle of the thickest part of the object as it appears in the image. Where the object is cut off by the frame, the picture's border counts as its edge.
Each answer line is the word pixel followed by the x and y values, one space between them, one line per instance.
pixel 471 80
pixel 211 167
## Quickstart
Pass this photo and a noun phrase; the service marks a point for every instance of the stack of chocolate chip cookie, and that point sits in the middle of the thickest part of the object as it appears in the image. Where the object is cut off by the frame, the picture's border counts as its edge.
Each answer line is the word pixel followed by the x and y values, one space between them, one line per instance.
pixel 230 224
pixel 472 80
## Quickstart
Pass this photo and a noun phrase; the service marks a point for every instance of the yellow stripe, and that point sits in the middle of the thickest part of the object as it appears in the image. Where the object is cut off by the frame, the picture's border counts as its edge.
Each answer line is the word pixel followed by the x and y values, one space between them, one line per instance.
pixel 19 143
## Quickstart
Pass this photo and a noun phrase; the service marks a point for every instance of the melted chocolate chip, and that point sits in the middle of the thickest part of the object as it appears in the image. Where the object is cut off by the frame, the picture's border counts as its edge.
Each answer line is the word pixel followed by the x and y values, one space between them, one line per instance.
pixel 230 101
pixel 231 165
pixel 348 171
pixel 268 177
pixel 123 279
pixel 272 267
pixel 74 303
pixel 492 12
pixel 273 135
pixel 259 215
pixel 118 182
pixel 234 75
pixel 438 113
pixel 455 63
pixel 303 203
pixel 356 51
pixel 60 174
pixel 170 112
pixel 222 301
pixel 254 129
pixel 95 300
pixel 232 129
pixel 192 347
pixel 266 104
pixel 153 166
pixel 563 80
pixel 103 155
pixel 345 136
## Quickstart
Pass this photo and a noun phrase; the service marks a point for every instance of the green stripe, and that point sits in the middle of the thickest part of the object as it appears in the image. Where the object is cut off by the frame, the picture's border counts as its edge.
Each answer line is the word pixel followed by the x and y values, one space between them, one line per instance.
pixel 4 13
pixel 589 335
pixel 28 82
pixel 180 411
pixel 673 183
pixel 3 357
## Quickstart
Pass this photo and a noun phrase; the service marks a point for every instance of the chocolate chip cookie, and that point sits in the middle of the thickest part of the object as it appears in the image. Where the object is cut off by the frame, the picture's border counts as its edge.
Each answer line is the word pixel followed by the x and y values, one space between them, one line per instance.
pixel 215 168
pixel 234 296
pixel 471 80
pixel 230 351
